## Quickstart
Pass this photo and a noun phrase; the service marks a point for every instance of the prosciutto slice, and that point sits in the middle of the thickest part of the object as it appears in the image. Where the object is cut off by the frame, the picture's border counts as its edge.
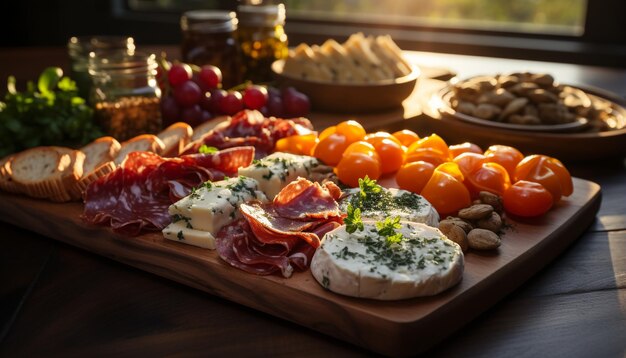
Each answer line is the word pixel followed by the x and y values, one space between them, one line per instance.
pixel 283 235
pixel 135 197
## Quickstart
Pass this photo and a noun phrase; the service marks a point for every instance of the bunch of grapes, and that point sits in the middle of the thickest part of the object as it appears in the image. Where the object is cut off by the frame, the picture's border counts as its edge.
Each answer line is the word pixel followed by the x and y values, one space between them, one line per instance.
pixel 196 96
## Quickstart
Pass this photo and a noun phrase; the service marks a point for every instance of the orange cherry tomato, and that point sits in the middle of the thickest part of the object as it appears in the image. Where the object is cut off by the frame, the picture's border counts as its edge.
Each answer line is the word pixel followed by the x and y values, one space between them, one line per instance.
pixel 362 147
pixel 328 131
pixel 430 155
pixel 414 176
pixel 379 136
pixel 353 130
pixel 491 177
pixel 466 147
pixel 547 171
pixel 406 137
pixel 506 156
pixel 391 154
pixel 330 149
pixel 435 142
pixel 297 144
pixel 469 162
pixel 356 165
pixel 453 169
pixel 447 194
pixel 527 199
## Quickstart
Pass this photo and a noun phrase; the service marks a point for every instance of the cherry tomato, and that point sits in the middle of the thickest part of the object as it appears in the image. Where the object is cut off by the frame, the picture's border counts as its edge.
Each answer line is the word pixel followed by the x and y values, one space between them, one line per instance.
pixel 547 171
pixel 414 176
pixel 506 156
pixel 379 136
pixel 467 147
pixel 453 169
pixel 491 177
pixel 392 155
pixel 527 199
pixel 353 130
pixel 469 162
pixel 356 165
pixel 447 194
pixel 362 147
pixel 328 131
pixel 297 144
pixel 406 137
pixel 430 155
pixel 433 141
pixel 330 149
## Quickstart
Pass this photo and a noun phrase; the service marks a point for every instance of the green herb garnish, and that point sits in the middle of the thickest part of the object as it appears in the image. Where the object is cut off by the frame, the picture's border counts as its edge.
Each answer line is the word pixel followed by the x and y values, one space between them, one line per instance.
pixel 388 227
pixel 368 187
pixel 205 149
pixel 353 220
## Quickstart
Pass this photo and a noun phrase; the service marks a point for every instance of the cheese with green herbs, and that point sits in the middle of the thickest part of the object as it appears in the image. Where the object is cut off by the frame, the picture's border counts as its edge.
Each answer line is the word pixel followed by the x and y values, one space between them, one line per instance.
pixel 419 262
pixel 209 208
pixel 277 170
pixel 390 202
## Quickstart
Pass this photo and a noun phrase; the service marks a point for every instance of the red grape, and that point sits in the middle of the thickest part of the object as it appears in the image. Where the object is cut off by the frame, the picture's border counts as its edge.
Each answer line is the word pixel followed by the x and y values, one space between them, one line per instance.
pixel 187 94
pixel 295 104
pixel 255 97
pixel 216 97
pixel 210 76
pixel 179 74
pixel 191 115
pixel 275 106
pixel 206 101
pixel 206 115
pixel 231 103
pixel 169 110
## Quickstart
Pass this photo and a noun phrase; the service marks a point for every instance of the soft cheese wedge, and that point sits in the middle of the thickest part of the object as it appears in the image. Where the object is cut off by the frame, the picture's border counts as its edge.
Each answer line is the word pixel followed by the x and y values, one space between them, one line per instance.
pixel 364 264
pixel 198 217
pixel 393 202
pixel 277 170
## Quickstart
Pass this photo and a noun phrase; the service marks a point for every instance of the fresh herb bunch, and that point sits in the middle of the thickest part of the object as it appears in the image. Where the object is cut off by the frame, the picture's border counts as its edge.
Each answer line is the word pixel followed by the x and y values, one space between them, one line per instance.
pixel 49 114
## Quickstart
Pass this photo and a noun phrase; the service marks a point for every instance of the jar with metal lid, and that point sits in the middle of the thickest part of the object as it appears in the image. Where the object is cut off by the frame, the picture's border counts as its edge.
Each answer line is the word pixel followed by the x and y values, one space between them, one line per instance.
pixel 125 94
pixel 261 36
pixel 79 48
pixel 208 39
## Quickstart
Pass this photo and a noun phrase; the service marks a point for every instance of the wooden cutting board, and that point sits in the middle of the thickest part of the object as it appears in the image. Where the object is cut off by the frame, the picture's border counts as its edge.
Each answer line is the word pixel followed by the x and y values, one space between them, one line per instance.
pixel 392 328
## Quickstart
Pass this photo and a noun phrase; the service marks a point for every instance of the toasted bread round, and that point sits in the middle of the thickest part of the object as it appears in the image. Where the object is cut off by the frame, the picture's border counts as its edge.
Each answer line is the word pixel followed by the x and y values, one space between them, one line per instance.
pixel 98 152
pixel 175 138
pixel 140 143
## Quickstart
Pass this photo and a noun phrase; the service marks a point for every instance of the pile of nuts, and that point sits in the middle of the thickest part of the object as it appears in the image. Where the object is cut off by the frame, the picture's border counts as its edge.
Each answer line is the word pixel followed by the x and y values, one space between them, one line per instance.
pixel 478 226
pixel 531 99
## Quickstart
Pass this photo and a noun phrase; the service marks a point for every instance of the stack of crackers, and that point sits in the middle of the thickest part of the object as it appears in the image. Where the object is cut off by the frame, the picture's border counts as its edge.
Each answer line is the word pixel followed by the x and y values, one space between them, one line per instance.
pixel 358 60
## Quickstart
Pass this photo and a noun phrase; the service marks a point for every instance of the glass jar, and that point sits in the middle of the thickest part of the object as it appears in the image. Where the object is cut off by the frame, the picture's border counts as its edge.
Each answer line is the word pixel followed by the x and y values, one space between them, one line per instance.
pixel 261 36
pixel 208 39
pixel 125 94
pixel 79 48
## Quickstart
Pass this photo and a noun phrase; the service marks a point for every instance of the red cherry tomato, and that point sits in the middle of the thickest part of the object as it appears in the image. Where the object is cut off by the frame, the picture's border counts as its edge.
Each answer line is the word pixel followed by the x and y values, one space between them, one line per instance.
pixel 467 147
pixel 491 177
pixel 445 193
pixel 330 149
pixel 527 199
pixel 406 137
pixel 506 156
pixel 356 165
pixel 547 171
pixel 414 176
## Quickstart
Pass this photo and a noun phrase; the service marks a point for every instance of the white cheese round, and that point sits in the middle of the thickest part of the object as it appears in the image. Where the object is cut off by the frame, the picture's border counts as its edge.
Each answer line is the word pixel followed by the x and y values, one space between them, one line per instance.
pixel 364 264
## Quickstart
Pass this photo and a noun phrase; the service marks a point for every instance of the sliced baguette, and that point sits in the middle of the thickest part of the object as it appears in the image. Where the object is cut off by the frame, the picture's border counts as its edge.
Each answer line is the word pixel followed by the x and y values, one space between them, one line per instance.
pixel 143 143
pixel 99 152
pixel 207 126
pixel 83 183
pixel 175 138
pixel 6 179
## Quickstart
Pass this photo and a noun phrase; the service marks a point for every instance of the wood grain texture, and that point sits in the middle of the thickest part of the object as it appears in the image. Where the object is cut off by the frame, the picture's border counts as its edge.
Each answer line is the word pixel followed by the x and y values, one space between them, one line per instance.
pixel 385 327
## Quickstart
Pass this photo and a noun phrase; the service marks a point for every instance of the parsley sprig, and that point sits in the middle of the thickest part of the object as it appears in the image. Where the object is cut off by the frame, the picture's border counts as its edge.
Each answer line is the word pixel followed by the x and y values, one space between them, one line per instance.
pixel 353 220
pixel 368 187
pixel 205 149
pixel 388 227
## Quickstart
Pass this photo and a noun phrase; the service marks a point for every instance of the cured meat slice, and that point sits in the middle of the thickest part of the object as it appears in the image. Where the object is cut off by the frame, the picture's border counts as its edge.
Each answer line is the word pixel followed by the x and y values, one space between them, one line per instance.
pixel 225 246
pixel 135 197
pixel 303 199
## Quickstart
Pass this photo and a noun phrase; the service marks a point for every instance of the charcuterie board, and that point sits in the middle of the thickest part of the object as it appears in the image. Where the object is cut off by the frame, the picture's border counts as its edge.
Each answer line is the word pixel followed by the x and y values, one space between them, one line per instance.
pixel 388 327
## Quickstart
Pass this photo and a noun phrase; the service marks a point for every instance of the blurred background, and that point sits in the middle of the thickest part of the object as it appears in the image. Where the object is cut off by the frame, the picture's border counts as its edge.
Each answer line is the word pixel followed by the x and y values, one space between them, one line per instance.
pixel 574 31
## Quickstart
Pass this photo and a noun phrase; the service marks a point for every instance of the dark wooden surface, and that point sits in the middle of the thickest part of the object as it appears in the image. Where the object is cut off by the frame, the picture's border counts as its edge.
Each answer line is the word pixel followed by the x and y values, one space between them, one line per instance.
pixel 56 300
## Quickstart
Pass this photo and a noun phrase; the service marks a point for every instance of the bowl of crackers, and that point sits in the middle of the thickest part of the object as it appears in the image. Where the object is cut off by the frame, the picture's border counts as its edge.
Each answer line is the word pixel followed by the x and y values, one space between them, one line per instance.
pixel 363 74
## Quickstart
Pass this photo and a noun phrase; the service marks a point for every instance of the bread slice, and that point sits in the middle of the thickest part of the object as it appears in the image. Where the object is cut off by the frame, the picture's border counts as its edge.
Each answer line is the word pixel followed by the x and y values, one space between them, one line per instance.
pixel 143 143
pixel 98 152
pixel 83 183
pixel 175 138
pixel 47 172
pixel 6 179
pixel 207 126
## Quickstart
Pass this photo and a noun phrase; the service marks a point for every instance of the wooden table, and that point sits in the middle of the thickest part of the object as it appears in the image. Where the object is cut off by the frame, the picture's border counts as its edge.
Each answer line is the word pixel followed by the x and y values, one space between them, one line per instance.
pixel 60 301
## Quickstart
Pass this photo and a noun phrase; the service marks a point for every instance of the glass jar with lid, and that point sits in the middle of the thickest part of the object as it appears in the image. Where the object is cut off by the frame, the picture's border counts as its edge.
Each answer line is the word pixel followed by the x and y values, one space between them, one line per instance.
pixel 79 48
pixel 208 39
pixel 261 36
pixel 125 94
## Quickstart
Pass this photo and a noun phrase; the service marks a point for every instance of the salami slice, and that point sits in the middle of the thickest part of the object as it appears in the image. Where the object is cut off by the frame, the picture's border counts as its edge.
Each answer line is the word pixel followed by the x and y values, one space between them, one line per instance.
pixel 304 200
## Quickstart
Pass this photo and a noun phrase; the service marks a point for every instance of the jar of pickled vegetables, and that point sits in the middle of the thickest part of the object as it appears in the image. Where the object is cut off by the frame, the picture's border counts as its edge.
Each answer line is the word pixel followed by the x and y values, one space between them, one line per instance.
pixel 125 94
pixel 261 36
pixel 208 39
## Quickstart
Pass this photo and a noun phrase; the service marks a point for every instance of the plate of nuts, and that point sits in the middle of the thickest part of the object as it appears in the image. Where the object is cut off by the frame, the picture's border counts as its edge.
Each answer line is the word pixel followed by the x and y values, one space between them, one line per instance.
pixel 530 102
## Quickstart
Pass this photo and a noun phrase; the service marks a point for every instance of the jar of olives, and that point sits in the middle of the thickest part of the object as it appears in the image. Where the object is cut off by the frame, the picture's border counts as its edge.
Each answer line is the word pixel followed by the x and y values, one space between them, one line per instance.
pixel 208 39
pixel 125 94
pixel 261 36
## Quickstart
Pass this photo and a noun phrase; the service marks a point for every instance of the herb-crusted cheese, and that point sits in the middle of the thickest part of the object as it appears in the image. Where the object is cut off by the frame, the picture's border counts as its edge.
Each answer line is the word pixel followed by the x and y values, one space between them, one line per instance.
pixel 365 264
pixel 392 202
pixel 209 208
pixel 277 170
